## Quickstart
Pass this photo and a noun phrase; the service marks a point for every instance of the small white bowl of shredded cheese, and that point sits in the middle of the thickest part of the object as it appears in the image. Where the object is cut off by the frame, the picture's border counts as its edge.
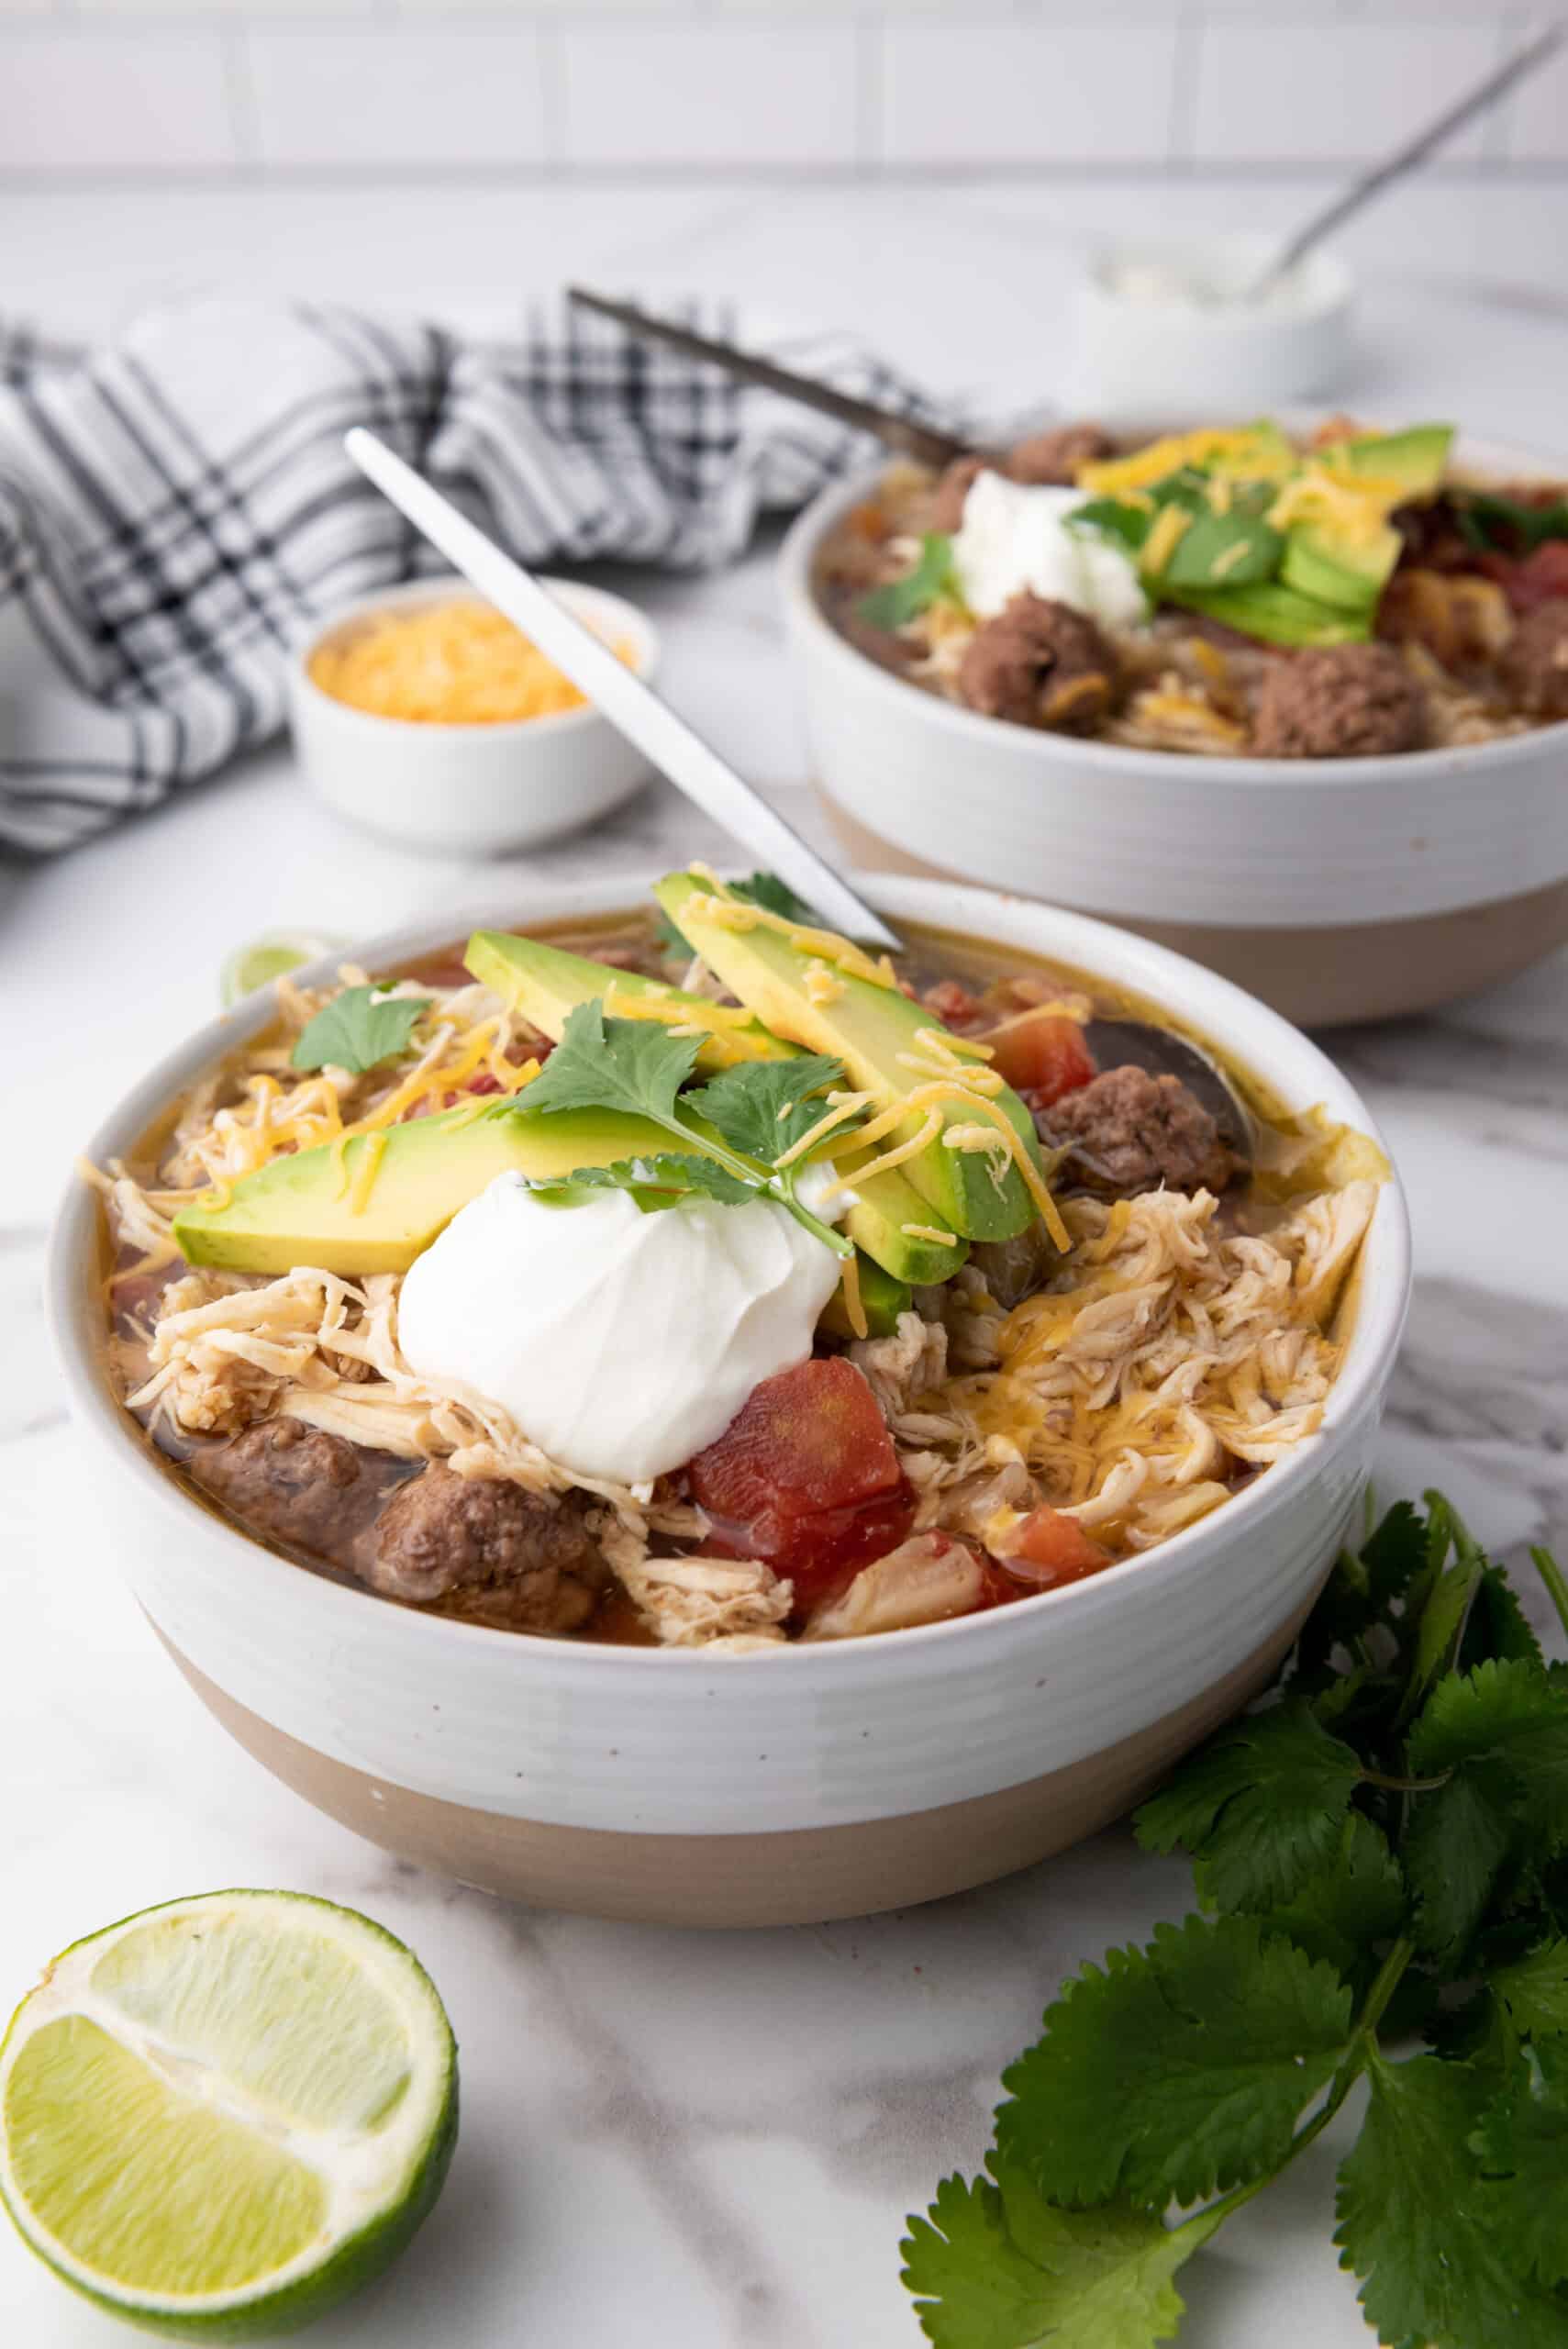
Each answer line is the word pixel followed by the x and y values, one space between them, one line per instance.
pixel 422 713
pixel 1172 322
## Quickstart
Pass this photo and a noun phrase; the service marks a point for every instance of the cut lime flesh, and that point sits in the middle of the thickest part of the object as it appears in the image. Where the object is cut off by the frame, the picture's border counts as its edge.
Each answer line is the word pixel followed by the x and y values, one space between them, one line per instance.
pixel 270 957
pixel 221 2116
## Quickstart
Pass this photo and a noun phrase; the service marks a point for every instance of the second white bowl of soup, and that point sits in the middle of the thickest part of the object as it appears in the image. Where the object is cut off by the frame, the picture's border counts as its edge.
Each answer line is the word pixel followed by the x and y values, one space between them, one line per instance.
pixel 787 1777
pixel 1337 887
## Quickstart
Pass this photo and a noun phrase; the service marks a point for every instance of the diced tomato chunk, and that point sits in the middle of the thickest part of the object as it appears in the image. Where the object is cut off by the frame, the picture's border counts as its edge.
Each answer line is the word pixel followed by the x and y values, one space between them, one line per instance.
pixel 954 1004
pixel 805 1477
pixel 1051 1548
pixel 812 1437
pixel 1043 1054
pixel 1529 580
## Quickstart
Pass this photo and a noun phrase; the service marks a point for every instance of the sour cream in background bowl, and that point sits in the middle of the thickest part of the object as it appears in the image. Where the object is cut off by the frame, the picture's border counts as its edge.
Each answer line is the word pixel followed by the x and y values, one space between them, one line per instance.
pixel 1170 320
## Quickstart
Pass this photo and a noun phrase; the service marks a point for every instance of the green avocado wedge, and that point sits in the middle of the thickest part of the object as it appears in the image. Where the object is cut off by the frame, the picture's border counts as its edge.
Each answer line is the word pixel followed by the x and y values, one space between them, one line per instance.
pixel 545 985
pixel 882 1300
pixel 321 1208
pixel 872 1030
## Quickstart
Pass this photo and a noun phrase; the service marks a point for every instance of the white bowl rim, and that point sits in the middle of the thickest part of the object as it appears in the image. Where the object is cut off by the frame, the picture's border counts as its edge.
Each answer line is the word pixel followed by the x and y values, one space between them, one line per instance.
pixel 1078 940
pixel 440 586
pixel 1106 761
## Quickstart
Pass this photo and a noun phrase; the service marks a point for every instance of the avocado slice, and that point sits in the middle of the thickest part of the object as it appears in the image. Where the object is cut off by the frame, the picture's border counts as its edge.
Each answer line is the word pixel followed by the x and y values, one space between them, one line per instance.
pixel 868 1028
pixel 1351 571
pixel 304 1209
pixel 1275 614
pixel 1413 461
pixel 1348 574
pixel 545 984
pixel 882 1297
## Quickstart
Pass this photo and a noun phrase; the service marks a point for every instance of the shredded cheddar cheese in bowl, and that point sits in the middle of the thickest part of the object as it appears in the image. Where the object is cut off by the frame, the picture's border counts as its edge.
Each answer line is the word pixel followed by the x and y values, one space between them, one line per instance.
pixel 457 662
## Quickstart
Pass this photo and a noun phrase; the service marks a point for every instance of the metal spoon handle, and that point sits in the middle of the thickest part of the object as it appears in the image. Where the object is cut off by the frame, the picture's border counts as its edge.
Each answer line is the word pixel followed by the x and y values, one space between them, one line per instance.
pixel 921 441
pixel 1405 159
pixel 662 736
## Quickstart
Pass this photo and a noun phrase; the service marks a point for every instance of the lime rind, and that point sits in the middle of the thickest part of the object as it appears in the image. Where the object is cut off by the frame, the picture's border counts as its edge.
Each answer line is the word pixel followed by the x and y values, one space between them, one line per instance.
pixel 379 2181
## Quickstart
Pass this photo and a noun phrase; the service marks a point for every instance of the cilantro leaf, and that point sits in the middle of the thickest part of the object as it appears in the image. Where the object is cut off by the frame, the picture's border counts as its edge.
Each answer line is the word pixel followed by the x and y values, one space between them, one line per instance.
pixel 1422 2227
pixel 1179 2070
pixel 1364 1593
pixel 1508 1717
pixel 1487 519
pixel 1521 2145
pixel 1497 1629
pixel 775 896
pixel 1454 1850
pixel 669 1171
pixel 763 890
pixel 764 1107
pixel 905 599
pixel 1343 1911
pixel 1110 518
pixel 1259 1808
pixel 1502 1731
pixel 994 2266
pixel 1534 1990
pixel 599 1063
pixel 359 1030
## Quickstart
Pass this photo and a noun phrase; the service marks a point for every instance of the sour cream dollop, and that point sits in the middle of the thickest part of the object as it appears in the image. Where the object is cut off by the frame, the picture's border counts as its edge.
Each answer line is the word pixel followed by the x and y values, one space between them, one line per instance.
pixel 620 1342
pixel 1013 536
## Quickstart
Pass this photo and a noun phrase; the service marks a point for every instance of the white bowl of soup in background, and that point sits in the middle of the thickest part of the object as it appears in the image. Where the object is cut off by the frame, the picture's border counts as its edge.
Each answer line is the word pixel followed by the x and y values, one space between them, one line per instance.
pixel 473 787
pixel 1336 889
pixel 809 1782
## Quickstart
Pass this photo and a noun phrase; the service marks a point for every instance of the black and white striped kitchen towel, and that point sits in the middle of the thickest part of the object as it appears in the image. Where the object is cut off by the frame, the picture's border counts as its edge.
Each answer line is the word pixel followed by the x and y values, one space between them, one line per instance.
pixel 175 509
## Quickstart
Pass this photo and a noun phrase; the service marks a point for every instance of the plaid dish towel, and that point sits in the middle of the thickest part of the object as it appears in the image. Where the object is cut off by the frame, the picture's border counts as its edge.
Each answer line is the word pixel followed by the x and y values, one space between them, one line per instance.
pixel 176 509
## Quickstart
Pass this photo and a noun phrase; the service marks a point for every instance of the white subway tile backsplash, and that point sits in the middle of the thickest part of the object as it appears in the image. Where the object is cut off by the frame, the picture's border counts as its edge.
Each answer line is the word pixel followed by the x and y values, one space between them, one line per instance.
pixel 710 93
pixel 1333 92
pixel 1027 94
pixel 150 100
pixel 897 86
pixel 384 98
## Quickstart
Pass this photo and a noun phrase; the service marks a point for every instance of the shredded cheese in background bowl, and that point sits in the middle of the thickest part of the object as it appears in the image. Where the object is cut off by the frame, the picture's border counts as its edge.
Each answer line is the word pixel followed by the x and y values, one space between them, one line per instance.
pixel 456 662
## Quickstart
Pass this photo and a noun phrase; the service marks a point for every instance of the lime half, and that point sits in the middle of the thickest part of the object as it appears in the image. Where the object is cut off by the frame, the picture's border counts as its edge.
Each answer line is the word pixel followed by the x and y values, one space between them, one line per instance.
pixel 221 2116
pixel 268 958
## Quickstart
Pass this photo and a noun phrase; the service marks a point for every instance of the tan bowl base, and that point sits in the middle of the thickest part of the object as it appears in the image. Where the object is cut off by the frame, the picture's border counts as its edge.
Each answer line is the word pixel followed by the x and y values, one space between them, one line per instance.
pixel 1322 978
pixel 792 1876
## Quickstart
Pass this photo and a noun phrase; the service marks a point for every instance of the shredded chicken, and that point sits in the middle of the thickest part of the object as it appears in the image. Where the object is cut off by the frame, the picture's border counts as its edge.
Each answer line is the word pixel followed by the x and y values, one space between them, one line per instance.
pixel 927 1579
pixel 910 1363
pixel 1165 1355
pixel 711 1603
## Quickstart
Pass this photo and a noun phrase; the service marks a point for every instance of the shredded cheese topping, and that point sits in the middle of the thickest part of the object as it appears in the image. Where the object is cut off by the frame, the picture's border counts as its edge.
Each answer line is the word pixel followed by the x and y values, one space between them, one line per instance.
pixel 822 945
pixel 454 663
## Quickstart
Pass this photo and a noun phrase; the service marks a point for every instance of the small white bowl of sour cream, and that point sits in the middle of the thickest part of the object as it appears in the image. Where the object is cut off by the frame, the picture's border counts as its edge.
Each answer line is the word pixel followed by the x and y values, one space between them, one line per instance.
pixel 1173 320
pixel 472 786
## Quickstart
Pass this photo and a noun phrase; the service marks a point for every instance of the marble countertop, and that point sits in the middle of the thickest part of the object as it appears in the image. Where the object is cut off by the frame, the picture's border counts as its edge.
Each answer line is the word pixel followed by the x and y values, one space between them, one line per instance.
pixel 680 2139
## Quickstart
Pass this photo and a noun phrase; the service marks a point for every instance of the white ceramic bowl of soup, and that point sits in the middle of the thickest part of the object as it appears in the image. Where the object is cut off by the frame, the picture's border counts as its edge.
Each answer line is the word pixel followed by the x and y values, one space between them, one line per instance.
pixel 475 788
pixel 1337 889
pixel 804 1783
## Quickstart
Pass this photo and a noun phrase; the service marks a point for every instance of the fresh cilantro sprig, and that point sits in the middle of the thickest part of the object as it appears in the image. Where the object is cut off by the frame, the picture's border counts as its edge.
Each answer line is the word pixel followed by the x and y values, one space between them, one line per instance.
pixel 905 599
pixel 1491 522
pixel 359 1030
pixel 1381 1849
pixel 743 1121
pixel 654 1182
pixel 764 889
